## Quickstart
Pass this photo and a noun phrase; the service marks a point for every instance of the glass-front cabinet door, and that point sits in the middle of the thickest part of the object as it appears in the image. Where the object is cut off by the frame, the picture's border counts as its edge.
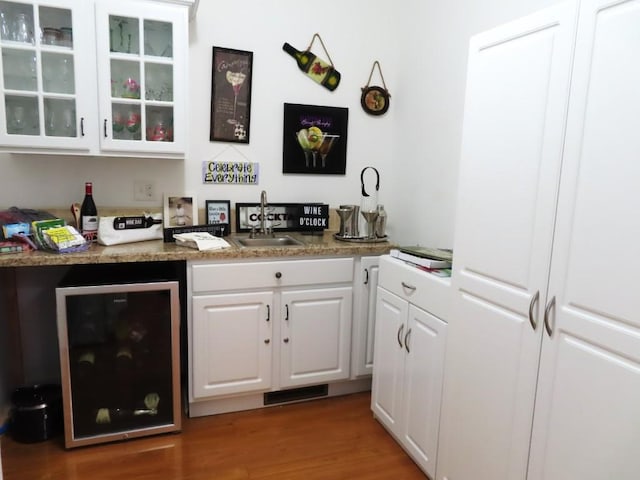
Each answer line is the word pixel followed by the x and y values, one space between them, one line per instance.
pixel 142 83
pixel 45 96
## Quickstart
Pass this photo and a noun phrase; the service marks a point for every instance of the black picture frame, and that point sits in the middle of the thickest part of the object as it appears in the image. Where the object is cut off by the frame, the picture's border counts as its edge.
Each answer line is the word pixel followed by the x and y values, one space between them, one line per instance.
pixel 231 75
pixel 321 152
pixel 218 212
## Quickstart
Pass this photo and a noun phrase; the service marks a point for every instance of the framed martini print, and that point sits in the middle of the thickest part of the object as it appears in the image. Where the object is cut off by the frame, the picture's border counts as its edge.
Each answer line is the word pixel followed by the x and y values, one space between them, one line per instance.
pixel 315 139
pixel 230 95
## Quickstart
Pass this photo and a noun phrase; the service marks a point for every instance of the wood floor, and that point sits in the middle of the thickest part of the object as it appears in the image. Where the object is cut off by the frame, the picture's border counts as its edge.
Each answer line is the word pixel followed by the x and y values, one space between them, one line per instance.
pixel 326 439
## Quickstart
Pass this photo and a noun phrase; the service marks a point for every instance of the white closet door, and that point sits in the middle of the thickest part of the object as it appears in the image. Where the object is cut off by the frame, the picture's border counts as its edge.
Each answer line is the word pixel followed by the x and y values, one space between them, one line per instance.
pixel 515 111
pixel 587 416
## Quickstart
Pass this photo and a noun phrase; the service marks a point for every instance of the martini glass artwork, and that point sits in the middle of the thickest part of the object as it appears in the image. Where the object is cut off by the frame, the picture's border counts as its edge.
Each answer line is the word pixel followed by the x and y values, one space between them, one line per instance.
pixel 310 141
pixel 236 79
pixel 326 146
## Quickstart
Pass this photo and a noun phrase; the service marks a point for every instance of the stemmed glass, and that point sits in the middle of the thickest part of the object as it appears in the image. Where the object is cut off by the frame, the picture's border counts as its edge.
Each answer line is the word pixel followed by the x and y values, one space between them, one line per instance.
pixel 301 136
pixel 325 147
pixel 236 79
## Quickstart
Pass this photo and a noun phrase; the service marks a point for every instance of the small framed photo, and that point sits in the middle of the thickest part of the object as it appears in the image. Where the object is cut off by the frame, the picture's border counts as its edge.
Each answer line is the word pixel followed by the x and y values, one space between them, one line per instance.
pixel 180 211
pixel 230 95
pixel 219 213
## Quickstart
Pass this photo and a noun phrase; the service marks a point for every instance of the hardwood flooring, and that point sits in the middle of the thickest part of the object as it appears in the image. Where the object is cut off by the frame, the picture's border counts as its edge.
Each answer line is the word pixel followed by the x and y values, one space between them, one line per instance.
pixel 328 439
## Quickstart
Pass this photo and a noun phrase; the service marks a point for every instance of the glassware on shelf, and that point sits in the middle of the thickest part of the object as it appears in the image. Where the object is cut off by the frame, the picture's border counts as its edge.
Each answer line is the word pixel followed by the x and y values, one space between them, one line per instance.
pixel 67 37
pixel 5 31
pixel 133 122
pixel 51 36
pixel 23 29
pixel 131 88
pixel 17 121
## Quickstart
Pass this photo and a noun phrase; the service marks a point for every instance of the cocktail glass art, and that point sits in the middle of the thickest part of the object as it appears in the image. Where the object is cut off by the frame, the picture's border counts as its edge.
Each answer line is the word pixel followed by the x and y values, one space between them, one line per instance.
pixel 236 79
pixel 301 136
pixel 325 147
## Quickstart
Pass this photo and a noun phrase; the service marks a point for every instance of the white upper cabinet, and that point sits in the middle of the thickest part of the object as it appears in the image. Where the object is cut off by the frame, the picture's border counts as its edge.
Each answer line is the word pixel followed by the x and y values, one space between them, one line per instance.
pixel 94 77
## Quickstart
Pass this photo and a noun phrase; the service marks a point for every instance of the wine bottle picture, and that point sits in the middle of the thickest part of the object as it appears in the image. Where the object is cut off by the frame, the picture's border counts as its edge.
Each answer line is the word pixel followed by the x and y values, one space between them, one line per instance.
pixel 314 67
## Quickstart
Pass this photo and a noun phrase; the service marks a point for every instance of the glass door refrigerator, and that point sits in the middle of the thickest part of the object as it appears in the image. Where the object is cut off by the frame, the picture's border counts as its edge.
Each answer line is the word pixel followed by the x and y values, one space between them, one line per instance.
pixel 119 357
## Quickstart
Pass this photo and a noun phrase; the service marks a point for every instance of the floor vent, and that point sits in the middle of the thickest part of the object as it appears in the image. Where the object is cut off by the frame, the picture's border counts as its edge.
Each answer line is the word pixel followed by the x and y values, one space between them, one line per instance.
pixel 296 394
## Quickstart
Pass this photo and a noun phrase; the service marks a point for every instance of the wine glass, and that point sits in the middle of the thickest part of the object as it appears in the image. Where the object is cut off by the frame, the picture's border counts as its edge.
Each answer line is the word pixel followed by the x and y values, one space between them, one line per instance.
pixel 236 79
pixel 325 147
pixel 17 119
pixel 301 136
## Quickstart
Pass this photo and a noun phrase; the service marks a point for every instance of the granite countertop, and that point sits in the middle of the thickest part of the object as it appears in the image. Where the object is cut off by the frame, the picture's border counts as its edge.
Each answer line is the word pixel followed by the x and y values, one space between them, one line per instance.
pixel 157 250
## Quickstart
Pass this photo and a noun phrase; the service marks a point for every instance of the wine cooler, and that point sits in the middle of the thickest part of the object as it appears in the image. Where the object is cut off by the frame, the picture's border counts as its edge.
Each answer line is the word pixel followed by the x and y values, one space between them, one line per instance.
pixel 119 356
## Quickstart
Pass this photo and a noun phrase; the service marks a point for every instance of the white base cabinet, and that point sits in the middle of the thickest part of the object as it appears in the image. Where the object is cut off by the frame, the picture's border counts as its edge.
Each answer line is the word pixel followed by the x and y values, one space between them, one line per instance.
pixel 259 326
pixel 364 315
pixel 543 356
pixel 409 358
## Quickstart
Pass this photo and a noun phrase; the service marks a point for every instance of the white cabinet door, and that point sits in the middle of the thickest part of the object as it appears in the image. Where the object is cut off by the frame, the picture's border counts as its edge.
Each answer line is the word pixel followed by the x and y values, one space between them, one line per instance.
pixel 315 342
pixel 586 420
pixel 424 344
pixel 389 363
pixel 142 49
pixel 232 338
pixel 515 109
pixel 48 94
pixel 364 316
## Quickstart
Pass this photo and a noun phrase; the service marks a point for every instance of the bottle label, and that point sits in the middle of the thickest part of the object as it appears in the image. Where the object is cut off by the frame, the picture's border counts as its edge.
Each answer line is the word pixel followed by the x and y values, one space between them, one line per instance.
pixel 90 228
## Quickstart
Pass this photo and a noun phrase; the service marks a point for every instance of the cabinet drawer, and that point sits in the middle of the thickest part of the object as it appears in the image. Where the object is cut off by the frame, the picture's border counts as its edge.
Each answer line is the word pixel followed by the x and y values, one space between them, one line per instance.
pixel 245 275
pixel 421 288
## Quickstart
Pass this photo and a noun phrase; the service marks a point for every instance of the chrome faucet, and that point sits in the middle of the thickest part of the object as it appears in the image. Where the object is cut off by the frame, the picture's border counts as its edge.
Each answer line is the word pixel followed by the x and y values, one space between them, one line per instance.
pixel 263 205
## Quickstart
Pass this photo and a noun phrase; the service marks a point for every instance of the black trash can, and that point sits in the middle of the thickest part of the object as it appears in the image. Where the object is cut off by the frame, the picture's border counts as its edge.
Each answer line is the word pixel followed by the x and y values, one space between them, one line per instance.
pixel 36 413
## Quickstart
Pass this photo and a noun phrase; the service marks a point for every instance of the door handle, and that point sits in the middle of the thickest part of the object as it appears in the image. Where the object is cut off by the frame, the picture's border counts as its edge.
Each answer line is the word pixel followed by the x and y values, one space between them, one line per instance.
pixel 268 312
pixel 366 276
pixel 399 335
pixel 105 128
pixel 532 303
pixel 547 322
pixel 406 341
pixel 286 306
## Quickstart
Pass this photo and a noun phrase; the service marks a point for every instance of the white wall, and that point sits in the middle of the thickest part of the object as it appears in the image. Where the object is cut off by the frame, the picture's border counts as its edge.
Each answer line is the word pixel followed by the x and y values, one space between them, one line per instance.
pixel 422 47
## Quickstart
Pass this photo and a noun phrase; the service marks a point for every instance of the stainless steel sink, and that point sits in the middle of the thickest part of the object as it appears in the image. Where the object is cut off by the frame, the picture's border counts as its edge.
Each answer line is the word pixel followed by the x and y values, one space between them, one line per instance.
pixel 277 241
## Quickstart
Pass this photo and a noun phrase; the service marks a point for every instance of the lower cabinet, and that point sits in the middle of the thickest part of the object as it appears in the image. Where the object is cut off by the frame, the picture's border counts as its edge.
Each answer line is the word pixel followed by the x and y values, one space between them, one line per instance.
pixel 364 315
pixel 264 326
pixel 409 358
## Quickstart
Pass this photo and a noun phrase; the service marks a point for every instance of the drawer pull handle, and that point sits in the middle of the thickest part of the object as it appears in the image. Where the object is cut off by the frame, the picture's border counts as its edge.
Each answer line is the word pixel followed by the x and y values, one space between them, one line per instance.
pixel 286 340
pixel 278 274
pixel 399 335
pixel 408 287
pixel 266 340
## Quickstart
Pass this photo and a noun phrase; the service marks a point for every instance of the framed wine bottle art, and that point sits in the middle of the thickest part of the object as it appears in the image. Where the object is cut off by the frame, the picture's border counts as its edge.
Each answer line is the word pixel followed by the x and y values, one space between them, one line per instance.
pixel 230 95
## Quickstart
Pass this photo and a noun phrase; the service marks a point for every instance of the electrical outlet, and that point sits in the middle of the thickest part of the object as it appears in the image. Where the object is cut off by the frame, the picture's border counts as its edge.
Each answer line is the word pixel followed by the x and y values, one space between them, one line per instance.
pixel 144 190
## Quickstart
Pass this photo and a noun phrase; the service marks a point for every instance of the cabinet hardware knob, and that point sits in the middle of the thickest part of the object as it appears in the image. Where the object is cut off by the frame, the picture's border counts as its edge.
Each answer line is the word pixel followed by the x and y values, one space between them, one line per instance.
pixel 267 341
pixel 399 335
pixel 534 300
pixel 407 286
pixel 278 274
pixel 286 340
pixel 547 322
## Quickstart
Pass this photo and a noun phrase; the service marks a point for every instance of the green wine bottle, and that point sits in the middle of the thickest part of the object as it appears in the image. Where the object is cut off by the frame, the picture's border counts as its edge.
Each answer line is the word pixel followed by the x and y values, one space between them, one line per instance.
pixel 316 68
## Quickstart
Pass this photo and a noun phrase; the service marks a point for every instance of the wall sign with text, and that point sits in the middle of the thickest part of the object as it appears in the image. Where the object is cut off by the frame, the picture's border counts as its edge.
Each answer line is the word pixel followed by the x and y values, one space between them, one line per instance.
pixel 246 173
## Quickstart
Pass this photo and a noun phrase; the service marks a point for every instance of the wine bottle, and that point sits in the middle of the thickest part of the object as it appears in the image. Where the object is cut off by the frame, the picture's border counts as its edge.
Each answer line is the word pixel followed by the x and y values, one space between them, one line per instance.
pixel 127 223
pixel 316 68
pixel 89 214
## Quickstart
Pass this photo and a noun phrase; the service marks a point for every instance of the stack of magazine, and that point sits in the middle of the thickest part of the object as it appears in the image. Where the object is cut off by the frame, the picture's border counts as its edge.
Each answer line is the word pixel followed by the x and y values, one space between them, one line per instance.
pixel 434 260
